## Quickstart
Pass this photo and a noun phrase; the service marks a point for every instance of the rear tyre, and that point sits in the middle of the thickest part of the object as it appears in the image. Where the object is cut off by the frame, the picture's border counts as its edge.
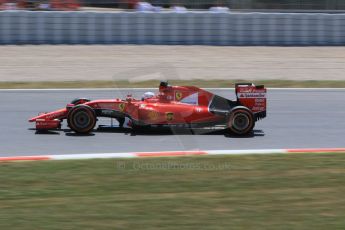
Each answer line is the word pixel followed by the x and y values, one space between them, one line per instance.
pixel 240 121
pixel 81 119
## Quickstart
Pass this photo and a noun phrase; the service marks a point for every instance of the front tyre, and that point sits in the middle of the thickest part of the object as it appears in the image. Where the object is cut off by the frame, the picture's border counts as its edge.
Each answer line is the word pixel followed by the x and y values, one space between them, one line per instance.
pixel 240 121
pixel 78 101
pixel 81 119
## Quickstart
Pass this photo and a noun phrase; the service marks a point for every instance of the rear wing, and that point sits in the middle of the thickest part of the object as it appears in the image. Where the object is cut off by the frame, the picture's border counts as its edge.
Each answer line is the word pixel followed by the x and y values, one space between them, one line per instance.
pixel 253 97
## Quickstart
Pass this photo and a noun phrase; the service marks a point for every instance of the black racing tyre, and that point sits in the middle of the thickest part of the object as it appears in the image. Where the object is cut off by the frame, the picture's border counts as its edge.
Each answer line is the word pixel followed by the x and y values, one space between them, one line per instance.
pixel 81 119
pixel 240 121
pixel 78 101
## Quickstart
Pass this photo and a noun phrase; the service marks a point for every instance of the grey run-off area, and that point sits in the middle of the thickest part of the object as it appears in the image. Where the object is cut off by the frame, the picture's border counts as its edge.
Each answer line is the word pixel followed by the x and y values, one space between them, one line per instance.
pixel 300 118
pixel 138 63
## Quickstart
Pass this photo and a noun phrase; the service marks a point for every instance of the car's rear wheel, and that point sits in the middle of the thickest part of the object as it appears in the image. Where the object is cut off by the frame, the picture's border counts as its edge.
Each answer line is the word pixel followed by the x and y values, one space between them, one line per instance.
pixel 240 121
pixel 81 119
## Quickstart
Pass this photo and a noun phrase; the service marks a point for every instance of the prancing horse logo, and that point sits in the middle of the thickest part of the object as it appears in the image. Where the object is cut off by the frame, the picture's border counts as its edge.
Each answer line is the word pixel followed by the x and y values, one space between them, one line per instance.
pixel 178 95
pixel 121 107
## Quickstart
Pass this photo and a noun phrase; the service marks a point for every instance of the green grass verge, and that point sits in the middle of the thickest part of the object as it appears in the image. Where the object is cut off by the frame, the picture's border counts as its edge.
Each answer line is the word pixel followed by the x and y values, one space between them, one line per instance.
pixel 154 84
pixel 300 191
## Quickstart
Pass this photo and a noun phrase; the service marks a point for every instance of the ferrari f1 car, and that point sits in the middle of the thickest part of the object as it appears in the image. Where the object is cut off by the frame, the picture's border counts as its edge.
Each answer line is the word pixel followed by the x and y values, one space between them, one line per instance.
pixel 186 106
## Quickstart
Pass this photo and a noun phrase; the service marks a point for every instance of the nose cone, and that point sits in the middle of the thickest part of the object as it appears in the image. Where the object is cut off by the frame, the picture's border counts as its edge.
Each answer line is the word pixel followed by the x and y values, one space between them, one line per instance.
pixel 34 118
pixel 58 114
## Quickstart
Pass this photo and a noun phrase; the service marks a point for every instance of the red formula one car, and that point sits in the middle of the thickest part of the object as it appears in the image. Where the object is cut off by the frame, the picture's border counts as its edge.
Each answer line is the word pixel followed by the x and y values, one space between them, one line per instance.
pixel 176 106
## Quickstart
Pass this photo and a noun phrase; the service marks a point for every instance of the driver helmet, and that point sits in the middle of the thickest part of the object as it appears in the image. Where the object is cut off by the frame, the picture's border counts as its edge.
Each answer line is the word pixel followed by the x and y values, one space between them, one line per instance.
pixel 163 86
pixel 148 95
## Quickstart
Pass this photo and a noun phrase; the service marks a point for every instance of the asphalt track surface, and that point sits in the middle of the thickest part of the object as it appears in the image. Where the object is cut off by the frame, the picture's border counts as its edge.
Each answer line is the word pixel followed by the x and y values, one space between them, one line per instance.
pixel 297 118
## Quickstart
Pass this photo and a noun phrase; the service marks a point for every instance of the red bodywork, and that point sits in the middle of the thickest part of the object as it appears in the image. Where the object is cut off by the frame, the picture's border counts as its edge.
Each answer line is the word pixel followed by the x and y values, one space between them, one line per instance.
pixel 173 105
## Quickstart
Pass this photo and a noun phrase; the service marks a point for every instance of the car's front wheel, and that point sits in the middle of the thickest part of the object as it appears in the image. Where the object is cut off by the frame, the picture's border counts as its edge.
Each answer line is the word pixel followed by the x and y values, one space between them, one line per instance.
pixel 240 121
pixel 81 119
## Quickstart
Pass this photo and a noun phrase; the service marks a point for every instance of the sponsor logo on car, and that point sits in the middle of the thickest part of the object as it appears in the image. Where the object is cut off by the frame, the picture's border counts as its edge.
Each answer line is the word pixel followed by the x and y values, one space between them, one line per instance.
pixel 54 115
pixel 178 95
pixel 251 90
pixel 251 95
pixel 152 115
pixel 169 116
pixel 121 107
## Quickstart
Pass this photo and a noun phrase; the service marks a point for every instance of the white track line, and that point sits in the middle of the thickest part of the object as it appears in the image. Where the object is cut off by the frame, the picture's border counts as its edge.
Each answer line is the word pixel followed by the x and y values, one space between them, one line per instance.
pixel 166 154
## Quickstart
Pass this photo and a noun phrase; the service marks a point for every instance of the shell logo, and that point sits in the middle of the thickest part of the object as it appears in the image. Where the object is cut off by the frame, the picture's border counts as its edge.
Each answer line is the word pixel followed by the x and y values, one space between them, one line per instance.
pixel 178 95
pixel 169 116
